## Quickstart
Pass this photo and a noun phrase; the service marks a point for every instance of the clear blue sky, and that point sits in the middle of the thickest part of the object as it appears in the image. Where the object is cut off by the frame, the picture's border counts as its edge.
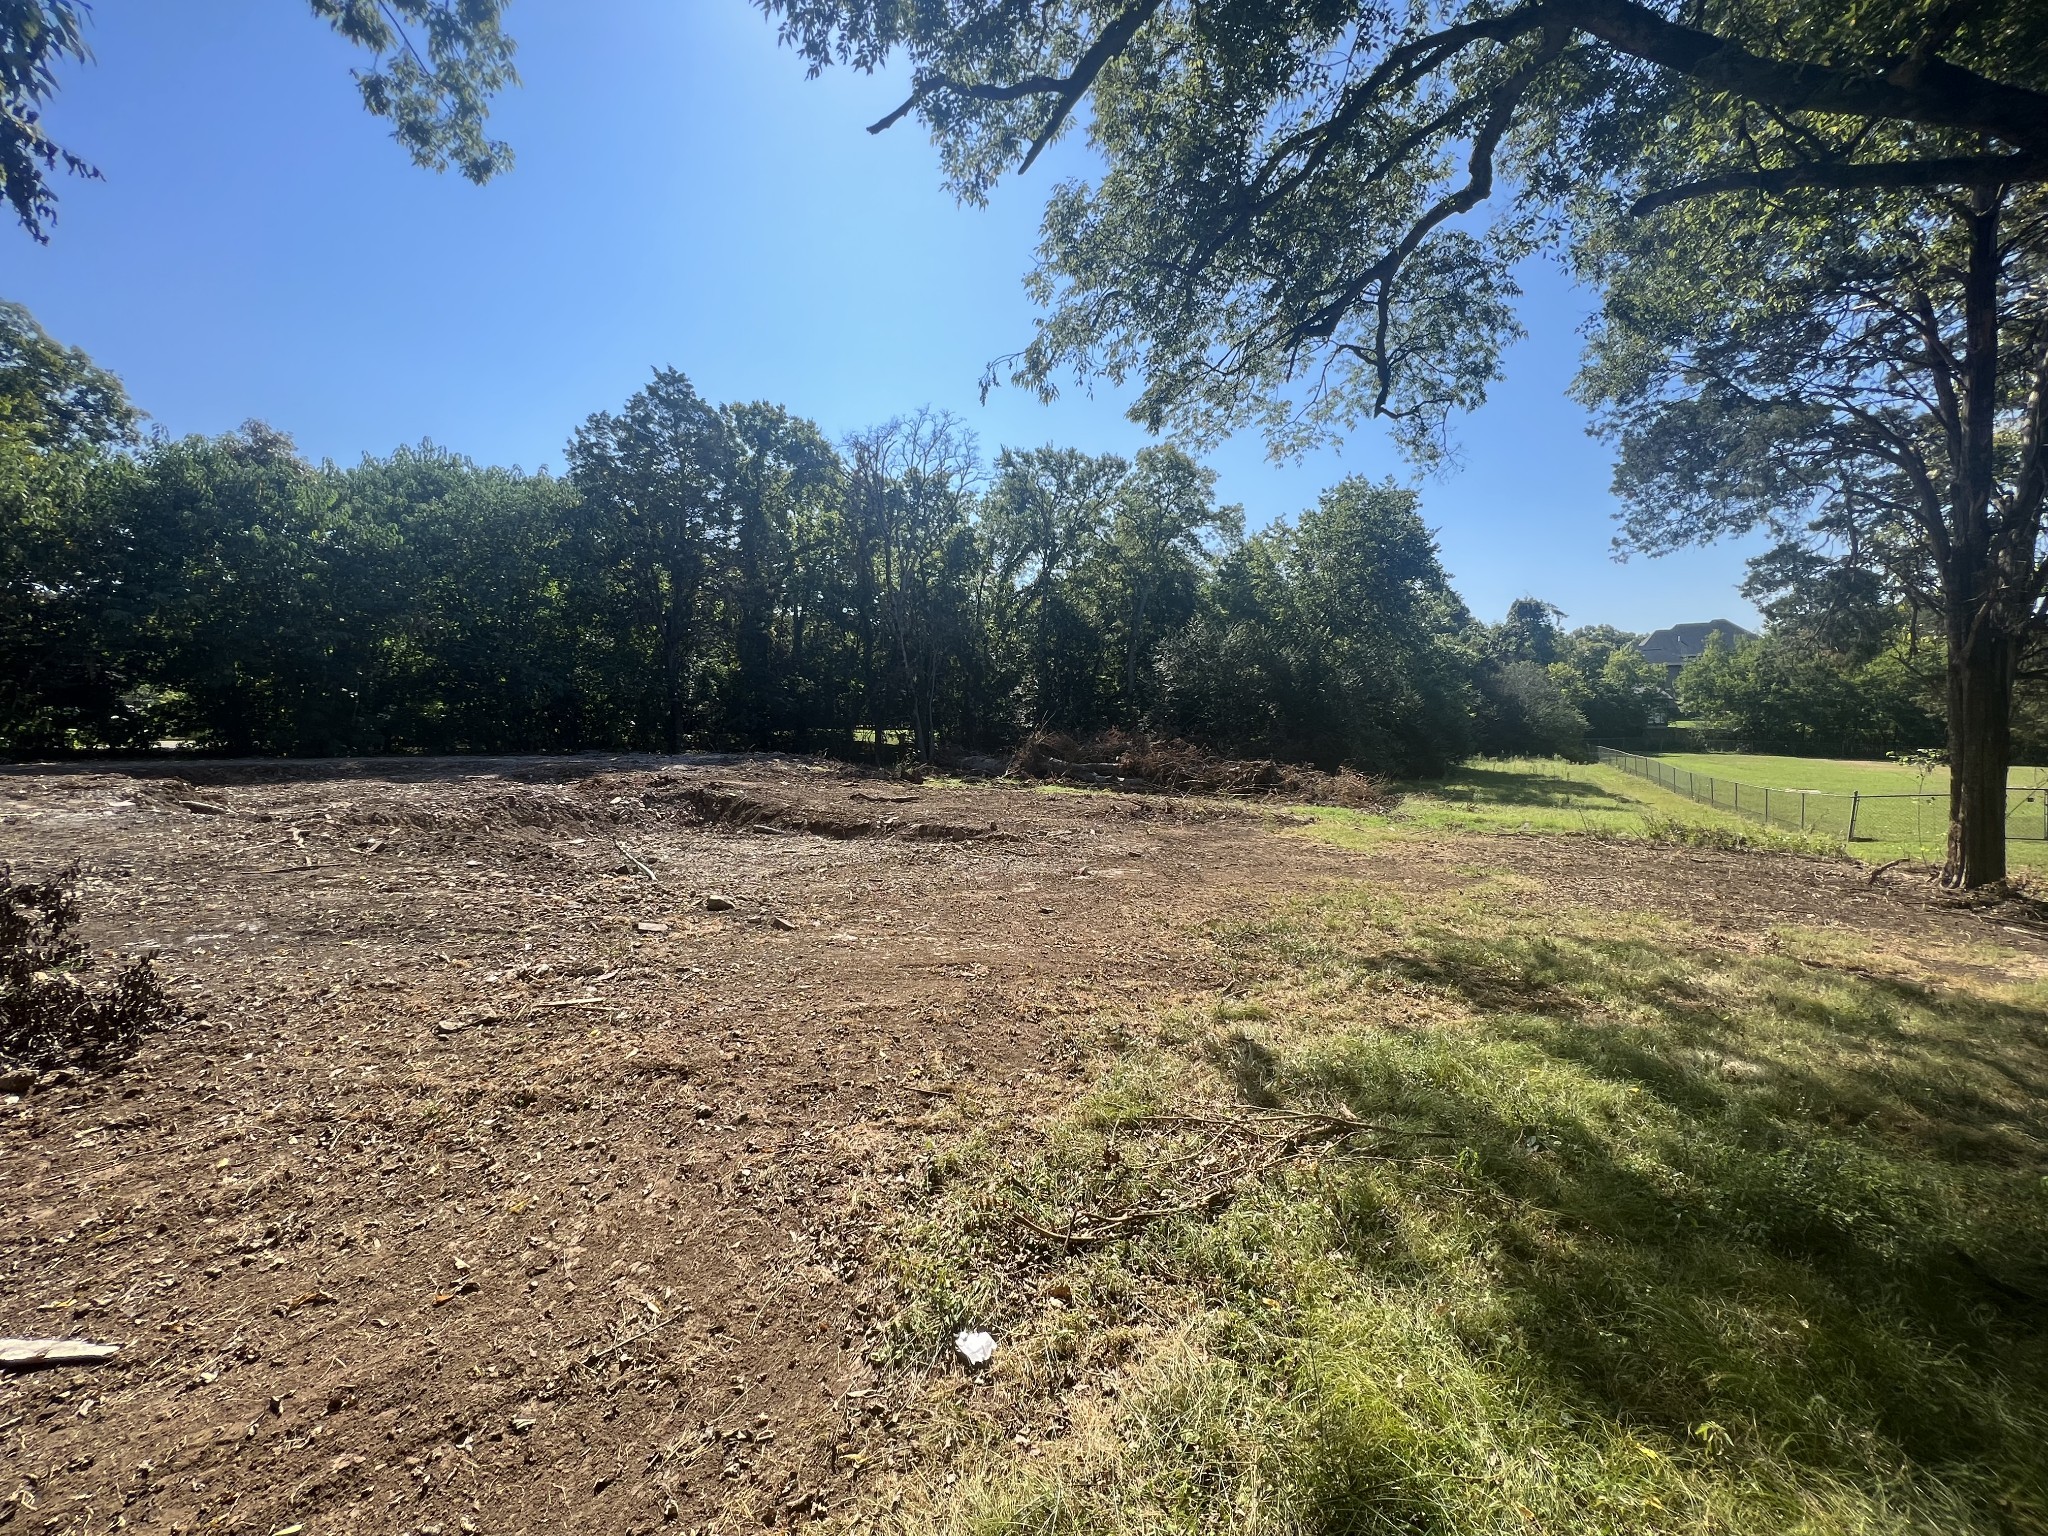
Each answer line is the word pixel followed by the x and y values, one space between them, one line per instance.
pixel 683 196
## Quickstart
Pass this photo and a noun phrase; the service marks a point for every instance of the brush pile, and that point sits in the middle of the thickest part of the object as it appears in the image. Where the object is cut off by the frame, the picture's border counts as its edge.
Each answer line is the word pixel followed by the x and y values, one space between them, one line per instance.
pixel 1121 760
pixel 51 1016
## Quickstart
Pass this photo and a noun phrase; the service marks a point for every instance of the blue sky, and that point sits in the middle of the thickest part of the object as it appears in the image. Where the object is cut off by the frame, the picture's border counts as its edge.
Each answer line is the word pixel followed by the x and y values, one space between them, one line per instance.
pixel 683 196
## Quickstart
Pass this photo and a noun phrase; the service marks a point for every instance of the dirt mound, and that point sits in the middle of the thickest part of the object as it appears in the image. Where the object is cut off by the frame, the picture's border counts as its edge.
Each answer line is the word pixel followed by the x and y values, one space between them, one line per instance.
pixel 1125 761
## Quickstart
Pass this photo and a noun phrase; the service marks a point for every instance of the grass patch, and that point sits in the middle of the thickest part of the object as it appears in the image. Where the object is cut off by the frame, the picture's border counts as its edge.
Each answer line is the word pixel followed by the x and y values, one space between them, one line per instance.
pixel 1840 776
pixel 1549 796
pixel 1655 1236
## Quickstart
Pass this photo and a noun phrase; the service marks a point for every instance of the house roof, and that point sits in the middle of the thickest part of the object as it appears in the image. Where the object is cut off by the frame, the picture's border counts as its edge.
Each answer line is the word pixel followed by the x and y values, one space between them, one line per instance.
pixel 1683 642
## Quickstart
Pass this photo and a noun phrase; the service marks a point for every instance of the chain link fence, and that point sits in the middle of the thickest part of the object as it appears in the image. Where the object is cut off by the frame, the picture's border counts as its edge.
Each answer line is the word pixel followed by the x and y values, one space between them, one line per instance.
pixel 1855 817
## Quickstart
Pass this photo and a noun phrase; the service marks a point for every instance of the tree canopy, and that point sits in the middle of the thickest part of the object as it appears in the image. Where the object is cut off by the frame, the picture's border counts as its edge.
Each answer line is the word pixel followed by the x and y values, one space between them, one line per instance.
pixel 719 575
pixel 1296 222
pixel 434 67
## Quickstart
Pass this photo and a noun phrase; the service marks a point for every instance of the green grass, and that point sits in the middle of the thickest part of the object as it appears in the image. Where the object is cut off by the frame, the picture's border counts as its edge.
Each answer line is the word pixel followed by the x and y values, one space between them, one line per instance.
pixel 1658 1235
pixel 1551 795
pixel 1839 776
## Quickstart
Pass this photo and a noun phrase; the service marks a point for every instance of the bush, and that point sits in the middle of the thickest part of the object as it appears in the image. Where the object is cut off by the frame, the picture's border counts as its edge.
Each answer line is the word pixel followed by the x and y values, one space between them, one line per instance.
pixel 50 1016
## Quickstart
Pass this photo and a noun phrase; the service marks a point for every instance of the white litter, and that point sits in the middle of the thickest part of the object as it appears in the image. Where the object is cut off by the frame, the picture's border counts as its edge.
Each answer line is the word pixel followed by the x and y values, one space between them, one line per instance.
pixel 976 1347
pixel 30 1354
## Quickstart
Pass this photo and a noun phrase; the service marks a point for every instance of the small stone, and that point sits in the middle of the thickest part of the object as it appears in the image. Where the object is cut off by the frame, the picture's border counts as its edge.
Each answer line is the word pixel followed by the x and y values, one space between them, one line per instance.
pixel 719 904
pixel 649 926
pixel 783 923
pixel 17 1081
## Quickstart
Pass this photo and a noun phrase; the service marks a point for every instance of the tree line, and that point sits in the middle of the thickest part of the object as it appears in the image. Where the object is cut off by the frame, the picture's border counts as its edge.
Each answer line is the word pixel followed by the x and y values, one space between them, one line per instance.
pixel 726 575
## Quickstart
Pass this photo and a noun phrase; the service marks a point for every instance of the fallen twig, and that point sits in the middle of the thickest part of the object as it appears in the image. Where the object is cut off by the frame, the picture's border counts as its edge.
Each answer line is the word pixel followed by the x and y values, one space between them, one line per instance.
pixel 596 1355
pixel 1309 1129
pixel 632 859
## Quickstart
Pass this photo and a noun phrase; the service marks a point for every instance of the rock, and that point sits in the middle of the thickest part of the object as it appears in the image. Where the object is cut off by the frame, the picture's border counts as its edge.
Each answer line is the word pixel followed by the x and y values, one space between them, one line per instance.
pixel 783 923
pixel 204 807
pixel 649 926
pixel 18 1081
pixel 715 903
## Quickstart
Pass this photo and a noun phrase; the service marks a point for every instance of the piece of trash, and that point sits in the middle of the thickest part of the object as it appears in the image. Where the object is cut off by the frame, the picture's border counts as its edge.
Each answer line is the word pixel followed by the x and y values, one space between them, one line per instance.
pixel 976 1347
pixel 35 1354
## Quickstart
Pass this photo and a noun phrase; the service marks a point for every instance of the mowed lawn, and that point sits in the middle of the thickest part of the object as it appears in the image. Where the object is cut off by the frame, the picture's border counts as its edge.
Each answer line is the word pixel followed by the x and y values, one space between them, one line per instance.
pixel 1551 795
pixel 1839 776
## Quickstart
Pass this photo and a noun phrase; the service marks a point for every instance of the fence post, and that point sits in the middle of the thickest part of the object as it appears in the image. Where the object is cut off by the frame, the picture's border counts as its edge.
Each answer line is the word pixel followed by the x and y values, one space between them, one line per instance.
pixel 1855 799
pixel 1767 805
pixel 1802 810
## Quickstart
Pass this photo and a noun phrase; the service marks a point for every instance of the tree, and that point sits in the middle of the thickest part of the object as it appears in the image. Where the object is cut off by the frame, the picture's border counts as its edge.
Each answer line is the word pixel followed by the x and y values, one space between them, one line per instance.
pixel 60 418
pixel 655 523
pixel 911 495
pixel 1287 228
pixel 1286 200
pixel 435 65
pixel 1044 517
pixel 1163 533
pixel 782 468
pixel 1785 693
pixel 1867 377
pixel 1337 639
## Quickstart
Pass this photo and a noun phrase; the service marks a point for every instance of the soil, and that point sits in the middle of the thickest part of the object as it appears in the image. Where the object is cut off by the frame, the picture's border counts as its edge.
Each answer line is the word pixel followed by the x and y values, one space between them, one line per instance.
pixel 521 1166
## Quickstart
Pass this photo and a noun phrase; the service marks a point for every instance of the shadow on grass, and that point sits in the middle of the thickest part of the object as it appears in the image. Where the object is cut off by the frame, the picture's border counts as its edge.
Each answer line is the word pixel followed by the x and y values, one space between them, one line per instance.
pixel 1801 1206
pixel 1473 784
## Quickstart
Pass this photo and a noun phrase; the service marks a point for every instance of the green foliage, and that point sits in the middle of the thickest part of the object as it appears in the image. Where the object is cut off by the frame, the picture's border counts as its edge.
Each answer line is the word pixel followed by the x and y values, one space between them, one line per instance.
pixel 60 420
pixel 1784 693
pixel 436 64
pixel 438 100
pixel 1287 227
pixel 1334 640
pixel 702 575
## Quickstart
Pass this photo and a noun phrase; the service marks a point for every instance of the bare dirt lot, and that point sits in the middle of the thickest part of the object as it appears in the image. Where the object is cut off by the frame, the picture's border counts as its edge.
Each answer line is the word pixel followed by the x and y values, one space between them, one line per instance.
pixel 521 1170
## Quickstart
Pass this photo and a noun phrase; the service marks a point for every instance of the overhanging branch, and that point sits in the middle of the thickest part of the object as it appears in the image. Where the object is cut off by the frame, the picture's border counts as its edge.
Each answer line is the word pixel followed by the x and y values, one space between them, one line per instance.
pixel 1948 171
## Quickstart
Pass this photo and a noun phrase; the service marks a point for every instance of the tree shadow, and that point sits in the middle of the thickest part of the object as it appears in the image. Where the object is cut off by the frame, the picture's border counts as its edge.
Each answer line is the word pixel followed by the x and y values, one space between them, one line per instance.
pixel 1480 785
pixel 1808 1209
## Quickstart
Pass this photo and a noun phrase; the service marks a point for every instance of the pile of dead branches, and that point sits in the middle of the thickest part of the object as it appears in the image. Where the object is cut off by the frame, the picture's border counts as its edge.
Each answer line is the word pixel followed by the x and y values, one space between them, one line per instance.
pixel 52 1016
pixel 1122 760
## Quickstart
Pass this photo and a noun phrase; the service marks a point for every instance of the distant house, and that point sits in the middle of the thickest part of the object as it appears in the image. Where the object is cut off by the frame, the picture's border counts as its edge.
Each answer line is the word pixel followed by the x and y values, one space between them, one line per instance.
pixel 1672 648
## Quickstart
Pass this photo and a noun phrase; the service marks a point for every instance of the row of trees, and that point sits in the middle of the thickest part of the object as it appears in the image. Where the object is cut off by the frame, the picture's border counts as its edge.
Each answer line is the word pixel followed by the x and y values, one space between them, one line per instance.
pixel 706 574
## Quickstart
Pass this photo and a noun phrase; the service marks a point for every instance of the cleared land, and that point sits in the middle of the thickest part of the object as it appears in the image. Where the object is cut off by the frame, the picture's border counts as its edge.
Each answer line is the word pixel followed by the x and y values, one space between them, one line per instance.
pixel 506 1185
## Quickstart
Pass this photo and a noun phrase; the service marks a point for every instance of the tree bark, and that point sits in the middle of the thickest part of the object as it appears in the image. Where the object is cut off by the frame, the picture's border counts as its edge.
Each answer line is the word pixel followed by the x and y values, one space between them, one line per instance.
pixel 1983 638
pixel 1980 679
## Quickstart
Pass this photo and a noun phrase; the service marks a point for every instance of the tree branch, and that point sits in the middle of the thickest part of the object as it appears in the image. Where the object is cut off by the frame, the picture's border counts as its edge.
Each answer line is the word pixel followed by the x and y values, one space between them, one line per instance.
pixel 1947 171
pixel 1915 89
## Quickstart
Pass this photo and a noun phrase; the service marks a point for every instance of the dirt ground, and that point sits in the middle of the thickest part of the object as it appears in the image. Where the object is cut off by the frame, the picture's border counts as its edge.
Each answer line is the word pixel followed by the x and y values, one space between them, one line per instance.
pixel 522 1168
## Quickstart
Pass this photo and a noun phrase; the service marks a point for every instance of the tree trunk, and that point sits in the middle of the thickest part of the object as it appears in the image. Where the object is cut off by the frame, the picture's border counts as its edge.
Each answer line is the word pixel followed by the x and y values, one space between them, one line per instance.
pixel 1983 649
pixel 1980 678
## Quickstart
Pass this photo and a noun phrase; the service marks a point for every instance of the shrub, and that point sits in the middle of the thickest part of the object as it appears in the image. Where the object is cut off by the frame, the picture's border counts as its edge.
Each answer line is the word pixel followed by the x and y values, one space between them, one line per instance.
pixel 50 1016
